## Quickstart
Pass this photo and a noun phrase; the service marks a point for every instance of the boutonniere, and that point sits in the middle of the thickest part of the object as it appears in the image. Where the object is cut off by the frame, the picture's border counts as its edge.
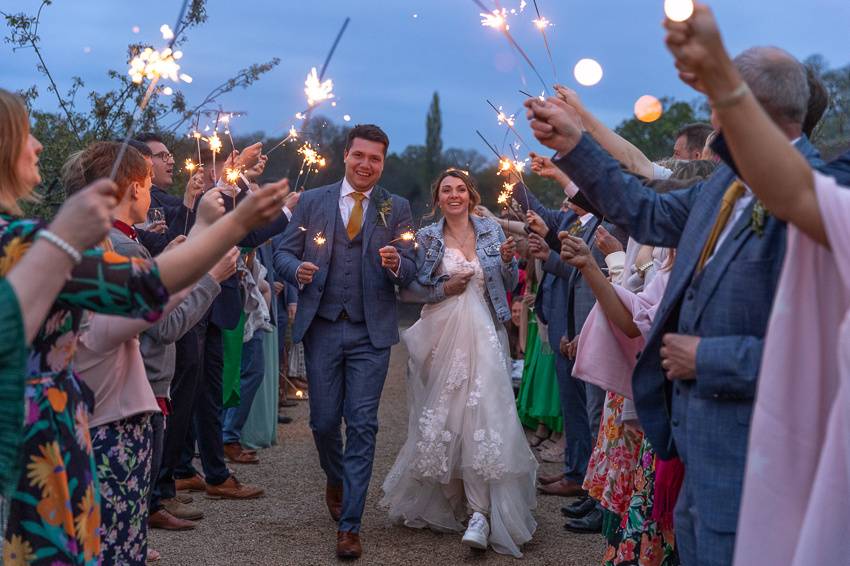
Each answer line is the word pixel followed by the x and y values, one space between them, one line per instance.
pixel 385 208
pixel 575 228
pixel 758 218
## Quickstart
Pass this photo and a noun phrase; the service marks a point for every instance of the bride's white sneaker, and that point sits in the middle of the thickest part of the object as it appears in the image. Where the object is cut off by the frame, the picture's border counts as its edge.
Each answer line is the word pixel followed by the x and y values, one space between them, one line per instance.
pixel 477 532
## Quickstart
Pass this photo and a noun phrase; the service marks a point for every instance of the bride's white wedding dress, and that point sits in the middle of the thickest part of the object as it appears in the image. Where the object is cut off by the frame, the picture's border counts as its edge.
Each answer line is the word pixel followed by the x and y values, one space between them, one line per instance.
pixel 465 450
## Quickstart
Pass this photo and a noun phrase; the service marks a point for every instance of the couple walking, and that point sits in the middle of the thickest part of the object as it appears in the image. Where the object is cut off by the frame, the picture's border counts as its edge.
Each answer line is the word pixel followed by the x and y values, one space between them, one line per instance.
pixel 466 459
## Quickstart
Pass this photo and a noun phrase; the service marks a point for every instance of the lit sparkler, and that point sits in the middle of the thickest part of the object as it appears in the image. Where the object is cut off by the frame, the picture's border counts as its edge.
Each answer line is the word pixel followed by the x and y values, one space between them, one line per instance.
pixel 408 236
pixel 231 175
pixel 504 118
pixel 190 166
pixel 541 23
pixel 319 239
pixel 497 19
pixel 508 121
pixel 316 89
pixel 153 65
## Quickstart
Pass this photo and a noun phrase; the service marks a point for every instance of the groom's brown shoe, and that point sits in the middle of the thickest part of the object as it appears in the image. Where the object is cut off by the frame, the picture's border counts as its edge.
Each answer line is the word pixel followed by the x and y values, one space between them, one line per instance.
pixel 333 499
pixel 348 545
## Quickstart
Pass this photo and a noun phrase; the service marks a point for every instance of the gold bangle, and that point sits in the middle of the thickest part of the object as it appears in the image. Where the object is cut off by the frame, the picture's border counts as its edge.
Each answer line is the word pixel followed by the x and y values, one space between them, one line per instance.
pixel 732 98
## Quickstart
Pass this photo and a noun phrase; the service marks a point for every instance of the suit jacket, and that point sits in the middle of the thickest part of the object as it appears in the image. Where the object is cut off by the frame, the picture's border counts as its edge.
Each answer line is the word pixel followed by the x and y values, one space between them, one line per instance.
pixel 317 211
pixel 734 300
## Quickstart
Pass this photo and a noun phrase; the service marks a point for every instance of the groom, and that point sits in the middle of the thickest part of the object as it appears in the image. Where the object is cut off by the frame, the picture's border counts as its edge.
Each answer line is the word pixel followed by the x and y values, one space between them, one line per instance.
pixel 337 248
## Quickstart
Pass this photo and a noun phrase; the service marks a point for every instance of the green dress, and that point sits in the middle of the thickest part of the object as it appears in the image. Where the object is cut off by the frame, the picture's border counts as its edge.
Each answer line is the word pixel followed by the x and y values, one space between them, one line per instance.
pixel 538 400
pixel 13 359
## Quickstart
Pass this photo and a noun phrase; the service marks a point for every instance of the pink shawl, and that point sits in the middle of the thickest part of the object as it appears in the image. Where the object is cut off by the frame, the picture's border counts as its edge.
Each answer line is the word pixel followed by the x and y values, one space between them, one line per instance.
pixel 796 502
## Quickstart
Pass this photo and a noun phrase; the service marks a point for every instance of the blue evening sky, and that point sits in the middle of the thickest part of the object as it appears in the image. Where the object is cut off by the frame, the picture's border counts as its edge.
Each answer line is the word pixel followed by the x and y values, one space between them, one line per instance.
pixel 389 62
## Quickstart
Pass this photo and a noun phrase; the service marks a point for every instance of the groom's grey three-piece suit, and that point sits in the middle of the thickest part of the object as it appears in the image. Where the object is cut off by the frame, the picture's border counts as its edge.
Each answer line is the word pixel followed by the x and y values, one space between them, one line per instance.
pixel 348 321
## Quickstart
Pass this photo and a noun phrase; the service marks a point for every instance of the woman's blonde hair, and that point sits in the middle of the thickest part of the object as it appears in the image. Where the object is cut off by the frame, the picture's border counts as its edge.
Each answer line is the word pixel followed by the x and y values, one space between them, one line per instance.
pixel 471 187
pixel 14 133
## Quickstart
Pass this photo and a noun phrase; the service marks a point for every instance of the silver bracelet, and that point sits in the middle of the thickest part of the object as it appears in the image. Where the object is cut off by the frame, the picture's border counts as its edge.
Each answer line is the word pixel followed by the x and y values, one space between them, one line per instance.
pixel 61 244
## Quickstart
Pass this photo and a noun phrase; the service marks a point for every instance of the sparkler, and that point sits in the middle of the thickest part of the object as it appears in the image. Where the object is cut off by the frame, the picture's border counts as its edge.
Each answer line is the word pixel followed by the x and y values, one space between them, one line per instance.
pixel 153 65
pixel 197 135
pixel 542 23
pixel 408 236
pixel 496 19
pixel 316 89
pixel 319 239
pixel 190 166
pixel 508 121
pixel 293 135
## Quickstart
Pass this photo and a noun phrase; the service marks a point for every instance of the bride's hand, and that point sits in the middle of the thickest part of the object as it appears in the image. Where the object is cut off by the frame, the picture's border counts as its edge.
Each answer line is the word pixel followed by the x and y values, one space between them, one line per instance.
pixel 456 284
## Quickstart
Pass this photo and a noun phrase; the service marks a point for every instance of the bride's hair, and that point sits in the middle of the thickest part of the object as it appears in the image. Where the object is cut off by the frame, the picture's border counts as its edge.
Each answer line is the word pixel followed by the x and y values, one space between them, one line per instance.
pixel 471 187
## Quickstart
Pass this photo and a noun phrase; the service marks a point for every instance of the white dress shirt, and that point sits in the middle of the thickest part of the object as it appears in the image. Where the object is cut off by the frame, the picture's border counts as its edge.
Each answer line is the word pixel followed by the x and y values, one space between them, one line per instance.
pixel 346 201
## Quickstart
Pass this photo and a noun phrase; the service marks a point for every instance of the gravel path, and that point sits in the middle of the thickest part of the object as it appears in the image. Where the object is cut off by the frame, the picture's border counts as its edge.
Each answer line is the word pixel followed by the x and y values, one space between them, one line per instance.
pixel 290 525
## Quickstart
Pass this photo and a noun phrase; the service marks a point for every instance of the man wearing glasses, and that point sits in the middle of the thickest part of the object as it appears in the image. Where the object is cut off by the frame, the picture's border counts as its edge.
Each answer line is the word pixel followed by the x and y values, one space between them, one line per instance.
pixel 179 213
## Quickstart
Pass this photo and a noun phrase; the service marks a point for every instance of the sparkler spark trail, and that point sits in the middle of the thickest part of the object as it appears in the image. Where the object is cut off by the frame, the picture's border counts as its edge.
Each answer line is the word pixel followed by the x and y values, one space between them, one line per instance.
pixel 190 166
pixel 504 28
pixel 319 239
pixel 293 135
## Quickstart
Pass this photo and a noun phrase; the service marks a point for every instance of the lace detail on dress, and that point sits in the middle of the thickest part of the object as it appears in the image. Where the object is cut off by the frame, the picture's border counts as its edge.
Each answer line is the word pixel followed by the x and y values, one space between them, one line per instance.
pixel 488 461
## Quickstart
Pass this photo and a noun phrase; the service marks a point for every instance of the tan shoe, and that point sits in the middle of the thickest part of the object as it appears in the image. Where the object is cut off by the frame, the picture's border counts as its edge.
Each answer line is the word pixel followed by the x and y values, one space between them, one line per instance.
pixel 234 452
pixel 182 510
pixel 231 488
pixel 333 499
pixel 195 483
pixel 348 545
pixel 563 487
pixel 162 519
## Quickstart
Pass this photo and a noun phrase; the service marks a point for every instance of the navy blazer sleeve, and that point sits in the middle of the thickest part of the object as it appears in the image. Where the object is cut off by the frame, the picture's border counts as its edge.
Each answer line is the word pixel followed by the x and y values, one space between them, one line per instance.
pixel 527 201
pixel 839 168
pixel 289 247
pixel 650 218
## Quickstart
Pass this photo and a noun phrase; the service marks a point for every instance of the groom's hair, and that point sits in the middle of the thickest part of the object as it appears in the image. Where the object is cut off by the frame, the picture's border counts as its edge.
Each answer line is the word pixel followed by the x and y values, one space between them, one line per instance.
pixel 369 132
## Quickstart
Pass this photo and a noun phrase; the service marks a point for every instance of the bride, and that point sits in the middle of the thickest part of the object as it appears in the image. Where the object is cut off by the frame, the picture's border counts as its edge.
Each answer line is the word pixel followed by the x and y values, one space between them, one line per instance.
pixel 466 453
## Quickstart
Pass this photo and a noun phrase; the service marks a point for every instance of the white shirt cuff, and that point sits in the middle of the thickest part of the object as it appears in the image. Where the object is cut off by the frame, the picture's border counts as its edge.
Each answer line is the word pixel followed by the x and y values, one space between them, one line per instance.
pixel 287 212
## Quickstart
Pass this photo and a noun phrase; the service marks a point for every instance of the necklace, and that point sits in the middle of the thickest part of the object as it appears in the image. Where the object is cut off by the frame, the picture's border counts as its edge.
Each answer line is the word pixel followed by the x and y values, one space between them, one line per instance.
pixel 461 242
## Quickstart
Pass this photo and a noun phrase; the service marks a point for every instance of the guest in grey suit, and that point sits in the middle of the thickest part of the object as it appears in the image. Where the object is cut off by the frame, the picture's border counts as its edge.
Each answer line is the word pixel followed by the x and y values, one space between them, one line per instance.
pixel 338 247
pixel 708 334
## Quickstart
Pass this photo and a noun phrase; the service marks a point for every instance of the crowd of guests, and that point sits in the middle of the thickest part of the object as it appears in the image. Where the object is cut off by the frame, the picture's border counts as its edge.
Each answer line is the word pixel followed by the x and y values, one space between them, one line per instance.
pixel 689 315
pixel 677 330
pixel 132 342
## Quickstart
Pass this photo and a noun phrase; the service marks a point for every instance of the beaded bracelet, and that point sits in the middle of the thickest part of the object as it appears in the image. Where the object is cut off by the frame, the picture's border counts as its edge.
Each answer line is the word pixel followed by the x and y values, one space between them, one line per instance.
pixel 61 244
pixel 732 98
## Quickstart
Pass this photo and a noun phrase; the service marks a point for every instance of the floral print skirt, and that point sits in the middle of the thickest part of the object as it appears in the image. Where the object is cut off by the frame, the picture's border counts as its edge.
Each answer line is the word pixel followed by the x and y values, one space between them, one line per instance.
pixel 640 541
pixel 54 512
pixel 123 454
pixel 611 470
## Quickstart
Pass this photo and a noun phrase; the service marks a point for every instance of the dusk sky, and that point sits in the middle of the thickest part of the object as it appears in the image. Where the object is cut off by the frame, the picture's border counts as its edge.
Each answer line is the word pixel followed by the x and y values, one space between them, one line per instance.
pixel 396 53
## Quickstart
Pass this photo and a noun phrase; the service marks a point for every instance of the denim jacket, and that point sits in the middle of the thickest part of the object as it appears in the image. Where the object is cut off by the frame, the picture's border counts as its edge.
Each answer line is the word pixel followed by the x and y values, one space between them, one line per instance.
pixel 499 277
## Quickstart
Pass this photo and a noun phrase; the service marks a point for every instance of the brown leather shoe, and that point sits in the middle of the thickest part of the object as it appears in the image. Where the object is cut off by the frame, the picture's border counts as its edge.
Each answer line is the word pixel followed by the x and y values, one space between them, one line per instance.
pixel 333 499
pixel 182 510
pixel 162 519
pixel 234 452
pixel 562 487
pixel 546 480
pixel 348 545
pixel 195 483
pixel 231 488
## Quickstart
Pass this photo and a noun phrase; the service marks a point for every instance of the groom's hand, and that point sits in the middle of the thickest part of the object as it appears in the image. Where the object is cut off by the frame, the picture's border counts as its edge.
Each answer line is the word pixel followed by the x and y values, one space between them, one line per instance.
pixel 305 272
pixel 390 258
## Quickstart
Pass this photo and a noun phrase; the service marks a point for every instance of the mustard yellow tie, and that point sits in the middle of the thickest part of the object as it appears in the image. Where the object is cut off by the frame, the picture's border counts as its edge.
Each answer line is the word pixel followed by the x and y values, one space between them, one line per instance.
pixel 730 197
pixel 355 221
